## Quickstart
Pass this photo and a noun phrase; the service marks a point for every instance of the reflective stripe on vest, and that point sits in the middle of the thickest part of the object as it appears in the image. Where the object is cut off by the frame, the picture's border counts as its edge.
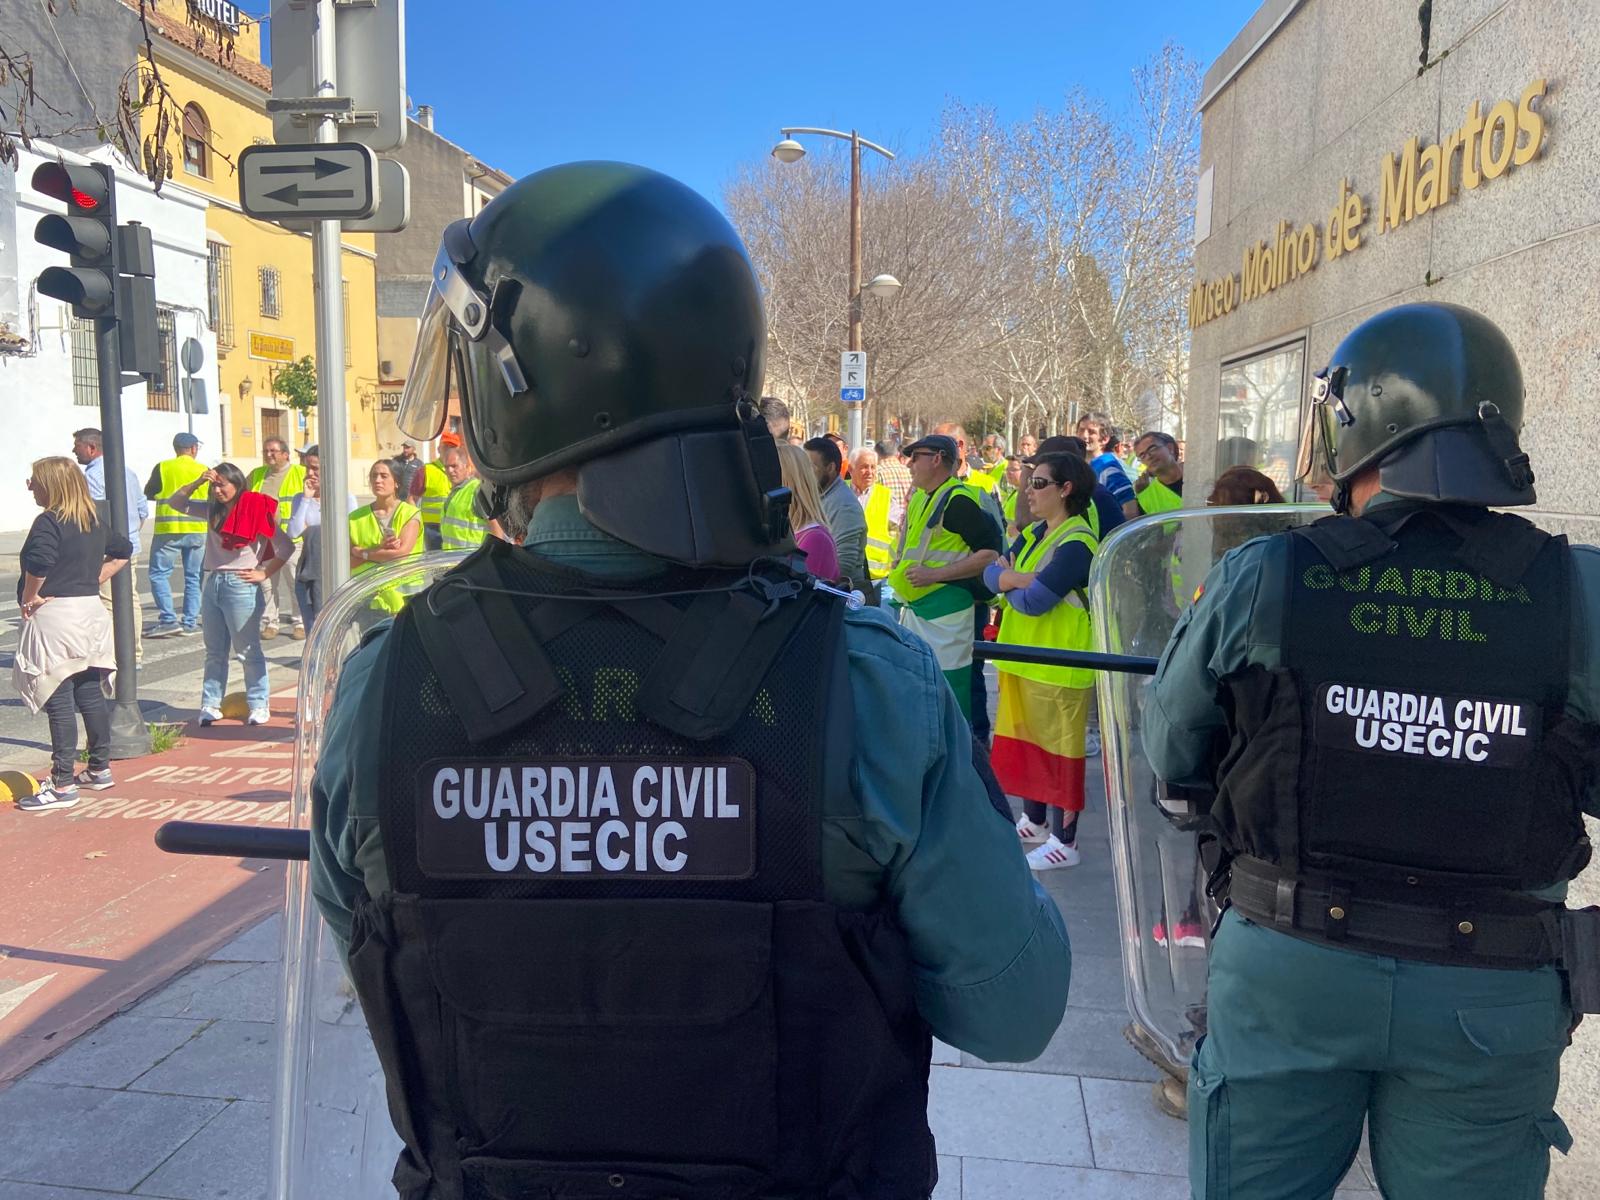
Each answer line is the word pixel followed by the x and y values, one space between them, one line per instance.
pixel 293 483
pixel 1064 627
pixel 366 530
pixel 1157 497
pixel 931 544
pixel 435 489
pixel 176 473
pixel 460 528
pixel 880 545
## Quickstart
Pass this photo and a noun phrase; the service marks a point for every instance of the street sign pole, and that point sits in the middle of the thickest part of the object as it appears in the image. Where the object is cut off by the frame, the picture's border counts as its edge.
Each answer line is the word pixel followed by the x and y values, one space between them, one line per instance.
pixel 333 439
pixel 129 736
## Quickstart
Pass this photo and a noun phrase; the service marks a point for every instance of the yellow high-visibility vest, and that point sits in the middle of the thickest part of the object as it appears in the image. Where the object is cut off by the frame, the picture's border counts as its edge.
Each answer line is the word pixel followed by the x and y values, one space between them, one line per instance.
pixel 461 528
pixel 1064 627
pixel 367 530
pixel 294 482
pixel 1157 497
pixel 176 473
pixel 435 489
pixel 924 541
pixel 880 543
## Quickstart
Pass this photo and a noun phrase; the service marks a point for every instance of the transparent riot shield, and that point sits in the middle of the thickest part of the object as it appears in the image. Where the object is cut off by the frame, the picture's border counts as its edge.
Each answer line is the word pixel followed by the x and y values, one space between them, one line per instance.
pixel 331 1134
pixel 1145 574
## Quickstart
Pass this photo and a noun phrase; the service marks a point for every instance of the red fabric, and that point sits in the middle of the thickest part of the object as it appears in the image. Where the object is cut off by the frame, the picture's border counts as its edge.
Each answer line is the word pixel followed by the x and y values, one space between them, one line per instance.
pixel 1033 773
pixel 254 515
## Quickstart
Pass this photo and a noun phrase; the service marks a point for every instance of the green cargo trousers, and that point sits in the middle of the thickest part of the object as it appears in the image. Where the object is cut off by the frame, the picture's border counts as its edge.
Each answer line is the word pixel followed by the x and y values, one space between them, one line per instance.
pixel 1454 1069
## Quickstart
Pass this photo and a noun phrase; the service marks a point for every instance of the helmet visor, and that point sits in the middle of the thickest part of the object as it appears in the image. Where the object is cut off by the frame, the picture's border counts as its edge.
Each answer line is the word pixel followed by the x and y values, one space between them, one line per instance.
pixel 427 392
pixel 453 303
pixel 1319 443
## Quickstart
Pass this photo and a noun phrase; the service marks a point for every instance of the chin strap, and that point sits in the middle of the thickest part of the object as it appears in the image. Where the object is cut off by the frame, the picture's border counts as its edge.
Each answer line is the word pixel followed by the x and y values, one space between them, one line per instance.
pixel 1340 499
pixel 1504 443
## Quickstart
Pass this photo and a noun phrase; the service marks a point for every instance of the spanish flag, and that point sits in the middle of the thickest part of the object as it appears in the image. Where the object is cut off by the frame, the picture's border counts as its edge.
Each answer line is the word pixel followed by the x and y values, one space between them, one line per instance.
pixel 1039 741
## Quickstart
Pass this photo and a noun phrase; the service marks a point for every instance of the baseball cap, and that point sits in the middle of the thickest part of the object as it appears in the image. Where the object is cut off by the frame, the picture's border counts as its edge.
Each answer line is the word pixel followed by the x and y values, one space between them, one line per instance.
pixel 308 451
pixel 184 441
pixel 938 442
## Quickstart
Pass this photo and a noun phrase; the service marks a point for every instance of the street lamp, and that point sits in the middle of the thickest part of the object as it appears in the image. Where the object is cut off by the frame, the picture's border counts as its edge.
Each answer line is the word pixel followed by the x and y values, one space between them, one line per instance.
pixel 883 286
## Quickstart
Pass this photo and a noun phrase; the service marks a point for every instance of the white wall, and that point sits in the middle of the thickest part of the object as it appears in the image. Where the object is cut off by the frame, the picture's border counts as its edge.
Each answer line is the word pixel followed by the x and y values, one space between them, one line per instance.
pixel 37 411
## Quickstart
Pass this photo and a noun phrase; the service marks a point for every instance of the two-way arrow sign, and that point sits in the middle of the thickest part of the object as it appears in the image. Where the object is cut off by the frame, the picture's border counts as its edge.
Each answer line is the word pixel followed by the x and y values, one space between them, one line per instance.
pixel 276 182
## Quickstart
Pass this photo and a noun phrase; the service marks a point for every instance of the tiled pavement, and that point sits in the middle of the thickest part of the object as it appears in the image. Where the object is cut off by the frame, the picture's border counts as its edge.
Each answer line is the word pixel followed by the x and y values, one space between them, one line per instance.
pixel 172 1098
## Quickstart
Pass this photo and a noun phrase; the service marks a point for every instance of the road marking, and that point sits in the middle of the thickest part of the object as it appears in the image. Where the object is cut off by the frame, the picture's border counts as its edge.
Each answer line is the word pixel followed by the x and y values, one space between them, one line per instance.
pixel 12 1000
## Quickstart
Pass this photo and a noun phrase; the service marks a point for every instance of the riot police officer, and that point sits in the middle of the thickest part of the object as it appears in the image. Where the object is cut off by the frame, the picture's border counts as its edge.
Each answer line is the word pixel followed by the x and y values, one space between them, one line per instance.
pixel 630 910
pixel 1396 705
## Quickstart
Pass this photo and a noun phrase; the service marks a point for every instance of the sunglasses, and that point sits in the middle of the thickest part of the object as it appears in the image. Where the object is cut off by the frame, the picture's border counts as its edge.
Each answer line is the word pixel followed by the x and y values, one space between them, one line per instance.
pixel 1039 483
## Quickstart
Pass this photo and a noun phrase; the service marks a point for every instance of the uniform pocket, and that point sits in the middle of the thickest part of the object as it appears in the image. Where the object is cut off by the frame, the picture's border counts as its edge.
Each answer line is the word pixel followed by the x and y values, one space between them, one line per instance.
pixel 1529 1028
pixel 1208 1132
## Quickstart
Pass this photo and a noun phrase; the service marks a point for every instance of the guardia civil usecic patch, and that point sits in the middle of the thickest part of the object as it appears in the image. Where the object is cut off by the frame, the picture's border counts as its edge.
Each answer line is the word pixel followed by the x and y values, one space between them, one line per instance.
pixel 595 818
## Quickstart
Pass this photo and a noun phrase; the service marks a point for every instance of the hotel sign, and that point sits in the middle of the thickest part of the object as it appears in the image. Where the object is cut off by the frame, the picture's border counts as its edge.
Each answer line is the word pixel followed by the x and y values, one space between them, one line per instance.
pixel 1415 181
pixel 271 347
pixel 220 11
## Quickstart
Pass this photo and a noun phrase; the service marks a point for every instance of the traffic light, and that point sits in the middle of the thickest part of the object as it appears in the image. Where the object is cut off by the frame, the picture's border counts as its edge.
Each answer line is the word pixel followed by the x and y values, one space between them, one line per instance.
pixel 87 232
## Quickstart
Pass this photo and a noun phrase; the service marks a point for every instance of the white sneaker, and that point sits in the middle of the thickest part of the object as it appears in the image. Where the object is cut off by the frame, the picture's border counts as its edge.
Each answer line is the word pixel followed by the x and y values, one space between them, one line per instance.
pixel 209 716
pixel 1054 853
pixel 258 716
pixel 1029 832
pixel 1091 744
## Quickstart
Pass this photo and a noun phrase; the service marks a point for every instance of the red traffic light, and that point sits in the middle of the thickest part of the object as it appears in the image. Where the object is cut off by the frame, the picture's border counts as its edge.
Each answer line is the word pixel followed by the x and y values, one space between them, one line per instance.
pixel 83 187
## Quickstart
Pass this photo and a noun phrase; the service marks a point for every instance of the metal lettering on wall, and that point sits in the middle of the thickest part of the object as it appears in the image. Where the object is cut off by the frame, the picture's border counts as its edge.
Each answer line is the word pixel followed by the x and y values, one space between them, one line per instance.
pixel 1415 181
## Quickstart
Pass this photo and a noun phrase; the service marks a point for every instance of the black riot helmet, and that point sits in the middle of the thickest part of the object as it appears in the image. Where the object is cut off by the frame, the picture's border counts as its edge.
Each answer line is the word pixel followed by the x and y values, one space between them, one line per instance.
pixel 1431 394
pixel 603 316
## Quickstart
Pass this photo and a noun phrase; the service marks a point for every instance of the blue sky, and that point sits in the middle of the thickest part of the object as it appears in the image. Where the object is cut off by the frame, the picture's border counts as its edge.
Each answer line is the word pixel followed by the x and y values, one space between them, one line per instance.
pixel 693 89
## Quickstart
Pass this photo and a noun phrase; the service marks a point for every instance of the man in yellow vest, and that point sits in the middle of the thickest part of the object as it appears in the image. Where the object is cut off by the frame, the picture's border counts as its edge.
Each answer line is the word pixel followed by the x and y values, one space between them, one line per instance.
pixel 276 477
pixel 1160 488
pixel 985 486
pixel 430 487
pixel 946 542
pixel 177 535
pixel 877 505
pixel 460 527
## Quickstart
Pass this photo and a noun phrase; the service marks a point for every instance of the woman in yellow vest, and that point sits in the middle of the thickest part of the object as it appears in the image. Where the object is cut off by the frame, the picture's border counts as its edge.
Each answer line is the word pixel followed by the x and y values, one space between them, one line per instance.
pixel 1039 730
pixel 385 531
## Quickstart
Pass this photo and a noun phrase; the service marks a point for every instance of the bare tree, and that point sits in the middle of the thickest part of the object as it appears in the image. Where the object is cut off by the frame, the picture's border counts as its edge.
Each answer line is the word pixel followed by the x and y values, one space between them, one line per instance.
pixel 1045 263
pixel 142 97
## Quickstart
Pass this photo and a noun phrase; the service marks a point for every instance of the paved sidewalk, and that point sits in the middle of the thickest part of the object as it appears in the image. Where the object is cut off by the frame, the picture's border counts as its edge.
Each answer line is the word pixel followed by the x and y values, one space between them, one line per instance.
pixel 172 1098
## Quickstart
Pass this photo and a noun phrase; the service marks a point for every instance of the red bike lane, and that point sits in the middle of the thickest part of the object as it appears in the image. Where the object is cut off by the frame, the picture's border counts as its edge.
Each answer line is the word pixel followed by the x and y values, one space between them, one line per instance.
pixel 94 916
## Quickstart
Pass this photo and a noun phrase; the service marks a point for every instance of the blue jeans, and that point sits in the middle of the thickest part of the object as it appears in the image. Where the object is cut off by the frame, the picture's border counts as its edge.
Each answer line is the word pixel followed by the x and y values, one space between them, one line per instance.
pixel 231 621
pixel 164 548
pixel 308 594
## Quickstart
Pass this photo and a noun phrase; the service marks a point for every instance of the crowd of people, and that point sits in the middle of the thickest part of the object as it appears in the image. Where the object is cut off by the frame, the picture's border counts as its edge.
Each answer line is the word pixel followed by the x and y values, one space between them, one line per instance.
pixel 247 550
pixel 963 540
pixel 968 542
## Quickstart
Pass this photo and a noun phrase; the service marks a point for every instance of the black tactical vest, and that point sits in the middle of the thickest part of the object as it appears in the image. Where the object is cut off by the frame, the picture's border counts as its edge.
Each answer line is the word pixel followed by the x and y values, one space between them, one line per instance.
pixel 606 966
pixel 1414 746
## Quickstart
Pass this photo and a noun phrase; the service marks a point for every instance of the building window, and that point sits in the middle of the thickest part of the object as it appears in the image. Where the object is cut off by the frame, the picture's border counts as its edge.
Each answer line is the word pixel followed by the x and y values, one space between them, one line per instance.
pixel 344 305
pixel 196 141
pixel 162 391
pixel 85 367
pixel 1259 413
pixel 270 298
pixel 219 292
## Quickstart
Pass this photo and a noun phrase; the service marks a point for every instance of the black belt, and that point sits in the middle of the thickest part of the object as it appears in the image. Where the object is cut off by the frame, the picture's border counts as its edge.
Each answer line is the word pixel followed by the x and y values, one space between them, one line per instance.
pixel 1462 931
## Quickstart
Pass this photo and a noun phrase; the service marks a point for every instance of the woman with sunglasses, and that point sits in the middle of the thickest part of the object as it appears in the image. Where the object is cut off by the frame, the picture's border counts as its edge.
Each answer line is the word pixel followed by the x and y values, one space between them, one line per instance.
pixel 1040 728
pixel 64 659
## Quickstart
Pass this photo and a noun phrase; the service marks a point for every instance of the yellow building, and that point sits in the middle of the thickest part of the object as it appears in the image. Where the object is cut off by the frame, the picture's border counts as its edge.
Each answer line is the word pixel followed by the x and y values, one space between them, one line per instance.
pixel 262 307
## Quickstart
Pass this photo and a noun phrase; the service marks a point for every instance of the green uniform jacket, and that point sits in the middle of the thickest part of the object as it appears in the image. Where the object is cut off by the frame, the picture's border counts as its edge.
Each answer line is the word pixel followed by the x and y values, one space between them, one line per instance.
pixel 1238 622
pixel 915 829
